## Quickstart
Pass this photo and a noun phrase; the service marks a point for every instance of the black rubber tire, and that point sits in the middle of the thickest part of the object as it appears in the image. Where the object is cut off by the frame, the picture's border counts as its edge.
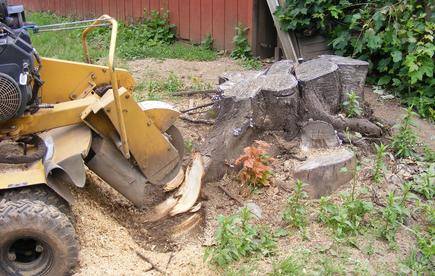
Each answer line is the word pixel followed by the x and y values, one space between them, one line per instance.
pixel 39 193
pixel 55 247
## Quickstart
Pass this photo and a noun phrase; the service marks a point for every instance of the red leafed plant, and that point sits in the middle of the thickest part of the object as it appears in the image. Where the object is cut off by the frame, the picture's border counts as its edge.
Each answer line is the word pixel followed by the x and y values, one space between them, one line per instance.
pixel 256 171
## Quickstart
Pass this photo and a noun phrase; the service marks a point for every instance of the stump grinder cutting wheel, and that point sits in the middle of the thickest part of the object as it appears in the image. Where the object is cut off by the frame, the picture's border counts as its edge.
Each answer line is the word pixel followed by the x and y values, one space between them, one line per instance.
pixel 56 117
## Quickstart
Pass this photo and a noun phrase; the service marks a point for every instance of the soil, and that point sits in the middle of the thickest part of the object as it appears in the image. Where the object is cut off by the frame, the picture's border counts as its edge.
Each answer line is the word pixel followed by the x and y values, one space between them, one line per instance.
pixel 116 240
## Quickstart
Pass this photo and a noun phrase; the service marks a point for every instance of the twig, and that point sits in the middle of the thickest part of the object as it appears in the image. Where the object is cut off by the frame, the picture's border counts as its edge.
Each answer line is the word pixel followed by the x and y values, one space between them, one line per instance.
pixel 197 107
pixel 228 193
pixel 189 93
pixel 153 266
pixel 197 121
pixel 169 260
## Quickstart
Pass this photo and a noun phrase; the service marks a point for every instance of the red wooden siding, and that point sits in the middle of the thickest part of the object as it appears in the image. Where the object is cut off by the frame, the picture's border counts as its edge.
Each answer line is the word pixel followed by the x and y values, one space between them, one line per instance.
pixel 195 19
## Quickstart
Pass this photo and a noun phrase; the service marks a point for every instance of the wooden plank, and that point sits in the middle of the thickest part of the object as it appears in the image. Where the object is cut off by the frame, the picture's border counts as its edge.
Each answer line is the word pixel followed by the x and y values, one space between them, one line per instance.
pixel 185 19
pixel 154 5
pixel 164 5
pixel 128 11
pixel 146 6
pixel 206 18
pixel 195 20
pixel 174 14
pixel 219 23
pixel 284 37
pixel 105 7
pixel 137 9
pixel 112 8
pixel 230 22
pixel 120 10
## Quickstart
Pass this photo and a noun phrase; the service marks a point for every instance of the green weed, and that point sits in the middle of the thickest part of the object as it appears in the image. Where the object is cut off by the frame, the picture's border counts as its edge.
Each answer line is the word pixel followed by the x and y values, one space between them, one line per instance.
pixel 242 51
pixel 158 89
pixel 351 106
pixel 404 141
pixel 188 145
pixel 379 167
pixel 429 154
pixel 424 183
pixel 237 238
pixel 295 213
pixel 198 84
pixel 207 43
pixel 345 218
pixel 394 214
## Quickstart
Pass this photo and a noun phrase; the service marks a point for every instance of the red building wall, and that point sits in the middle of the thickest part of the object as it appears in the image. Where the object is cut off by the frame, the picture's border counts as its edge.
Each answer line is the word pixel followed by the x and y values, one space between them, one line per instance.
pixel 194 18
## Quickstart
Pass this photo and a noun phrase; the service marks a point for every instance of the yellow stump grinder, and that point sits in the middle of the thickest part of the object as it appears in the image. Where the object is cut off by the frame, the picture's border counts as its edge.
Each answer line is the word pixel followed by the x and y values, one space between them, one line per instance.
pixel 57 118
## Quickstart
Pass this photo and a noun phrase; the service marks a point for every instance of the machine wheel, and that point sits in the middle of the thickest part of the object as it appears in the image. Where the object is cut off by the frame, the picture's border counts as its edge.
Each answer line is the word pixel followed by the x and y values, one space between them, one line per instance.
pixel 39 193
pixel 36 239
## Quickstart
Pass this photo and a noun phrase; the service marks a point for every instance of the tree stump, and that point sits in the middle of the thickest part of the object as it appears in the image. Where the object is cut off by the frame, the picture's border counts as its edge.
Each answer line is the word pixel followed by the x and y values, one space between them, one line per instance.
pixel 321 91
pixel 318 135
pixel 352 72
pixel 248 108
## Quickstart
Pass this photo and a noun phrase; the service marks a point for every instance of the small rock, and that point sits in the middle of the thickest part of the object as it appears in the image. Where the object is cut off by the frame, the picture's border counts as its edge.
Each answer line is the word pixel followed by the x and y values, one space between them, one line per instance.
pixel 255 209
pixel 324 173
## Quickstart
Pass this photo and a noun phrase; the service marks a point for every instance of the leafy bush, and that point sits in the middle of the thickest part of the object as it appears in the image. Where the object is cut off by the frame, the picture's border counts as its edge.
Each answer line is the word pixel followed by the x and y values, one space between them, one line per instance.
pixel 256 171
pixel 237 238
pixel 405 139
pixel 351 106
pixel 395 36
pixel 295 213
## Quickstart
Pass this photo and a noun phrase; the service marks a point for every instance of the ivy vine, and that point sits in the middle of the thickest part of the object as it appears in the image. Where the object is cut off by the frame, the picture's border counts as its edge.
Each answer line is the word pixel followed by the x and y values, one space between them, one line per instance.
pixel 396 37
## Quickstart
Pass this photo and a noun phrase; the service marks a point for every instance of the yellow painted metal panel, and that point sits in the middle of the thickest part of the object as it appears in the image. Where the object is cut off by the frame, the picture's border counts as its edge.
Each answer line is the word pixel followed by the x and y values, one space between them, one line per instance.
pixel 13 176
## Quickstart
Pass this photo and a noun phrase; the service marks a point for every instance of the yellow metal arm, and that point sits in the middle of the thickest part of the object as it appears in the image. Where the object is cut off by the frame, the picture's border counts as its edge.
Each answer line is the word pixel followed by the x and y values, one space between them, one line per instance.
pixel 113 75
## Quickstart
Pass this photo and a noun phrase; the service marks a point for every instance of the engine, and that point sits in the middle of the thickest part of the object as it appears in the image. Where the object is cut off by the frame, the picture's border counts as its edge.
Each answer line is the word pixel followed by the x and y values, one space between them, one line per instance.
pixel 19 77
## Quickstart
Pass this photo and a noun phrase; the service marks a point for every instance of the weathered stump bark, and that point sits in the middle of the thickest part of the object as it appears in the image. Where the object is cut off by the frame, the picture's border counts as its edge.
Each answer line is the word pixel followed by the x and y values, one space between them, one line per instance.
pixel 318 135
pixel 321 91
pixel 247 108
pixel 352 72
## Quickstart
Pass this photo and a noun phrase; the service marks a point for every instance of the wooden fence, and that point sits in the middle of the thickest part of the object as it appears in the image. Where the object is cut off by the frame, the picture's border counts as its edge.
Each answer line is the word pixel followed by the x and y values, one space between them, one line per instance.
pixel 194 18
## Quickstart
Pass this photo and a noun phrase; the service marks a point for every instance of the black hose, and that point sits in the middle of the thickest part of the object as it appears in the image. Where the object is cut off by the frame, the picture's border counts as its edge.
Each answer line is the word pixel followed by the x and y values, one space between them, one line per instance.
pixel 39 153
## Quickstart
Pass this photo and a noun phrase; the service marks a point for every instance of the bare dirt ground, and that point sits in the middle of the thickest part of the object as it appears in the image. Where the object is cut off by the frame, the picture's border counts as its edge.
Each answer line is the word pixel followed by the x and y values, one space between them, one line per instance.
pixel 115 240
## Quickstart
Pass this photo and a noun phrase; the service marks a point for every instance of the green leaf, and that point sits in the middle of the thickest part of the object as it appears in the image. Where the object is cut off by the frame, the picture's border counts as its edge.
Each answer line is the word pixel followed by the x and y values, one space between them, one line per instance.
pixel 397 56
pixel 384 80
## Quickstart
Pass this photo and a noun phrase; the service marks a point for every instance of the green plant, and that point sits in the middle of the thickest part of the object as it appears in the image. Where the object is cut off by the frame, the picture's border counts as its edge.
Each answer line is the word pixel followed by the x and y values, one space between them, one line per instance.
pixel 379 166
pixel 345 218
pixel 188 145
pixel 287 267
pixel 394 214
pixel 242 51
pixel 405 139
pixel 172 83
pixel 207 43
pixel 351 105
pixel 156 89
pixel 199 84
pixel 237 238
pixel 424 183
pixel 295 213
pixel 429 154
pixel 395 36
pixel 241 44
pixel 256 170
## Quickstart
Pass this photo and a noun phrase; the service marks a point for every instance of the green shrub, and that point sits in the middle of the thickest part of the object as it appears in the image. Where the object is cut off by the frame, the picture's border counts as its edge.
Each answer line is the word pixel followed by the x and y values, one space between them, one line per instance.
pixel 242 51
pixel 395 36
pixel 379 167
pixel 351 106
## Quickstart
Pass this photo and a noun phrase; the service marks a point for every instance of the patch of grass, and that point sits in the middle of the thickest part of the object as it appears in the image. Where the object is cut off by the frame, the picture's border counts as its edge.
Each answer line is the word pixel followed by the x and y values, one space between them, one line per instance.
pixel 287 267
pixel 351 106
pixel 152 38
pixel 295 213
pixel 238 238
pixel 199 84
pixel 404 141
pixel 429 154
pixel 159 89
pixel 379 167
